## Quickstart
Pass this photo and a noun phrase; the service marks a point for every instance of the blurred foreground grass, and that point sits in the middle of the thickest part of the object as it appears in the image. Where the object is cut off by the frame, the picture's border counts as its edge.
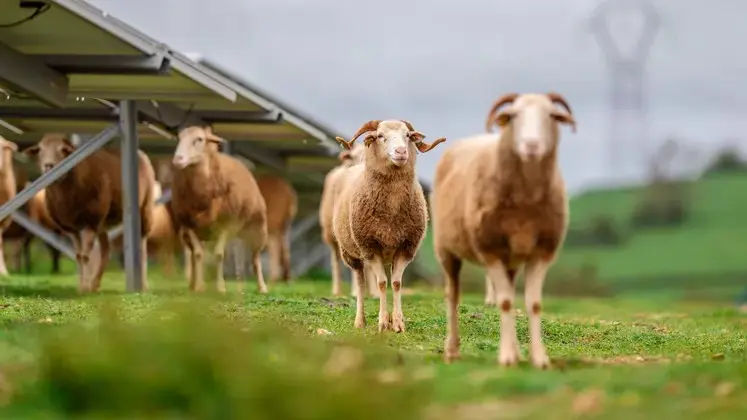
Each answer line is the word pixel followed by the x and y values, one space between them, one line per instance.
pixel 295 354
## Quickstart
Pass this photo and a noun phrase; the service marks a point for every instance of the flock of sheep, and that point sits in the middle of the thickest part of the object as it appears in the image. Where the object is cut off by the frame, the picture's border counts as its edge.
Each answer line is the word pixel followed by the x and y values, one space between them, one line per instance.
pixel 498 201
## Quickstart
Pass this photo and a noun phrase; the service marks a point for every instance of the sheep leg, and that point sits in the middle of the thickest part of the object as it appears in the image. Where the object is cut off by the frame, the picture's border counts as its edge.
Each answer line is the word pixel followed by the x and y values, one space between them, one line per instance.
pixel 75 239
pixel 490 298
pixel 536 271
pixel 398 270
pixel 188 263
pixel 285 264
pixel 451 267
pixel 196 260
pixel 273 249
pixel 104 252
pixel 503 282
pixel 220 251
pixel 360 313
pixel 373 289
pixel 257 267
pixel 144 262
pixel 3 268
pixel 334 260
pixel 377 265
pixel 238 265
pixel 87 240
pixel 55 255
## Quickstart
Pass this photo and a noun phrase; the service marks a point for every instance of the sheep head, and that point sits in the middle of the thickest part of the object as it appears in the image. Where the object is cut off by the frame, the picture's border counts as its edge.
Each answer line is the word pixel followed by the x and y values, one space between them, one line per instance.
pixel 392 137
pixel 8 148
pixel 352 156
pixel 50 151
pixel 194 143
pixel 533 118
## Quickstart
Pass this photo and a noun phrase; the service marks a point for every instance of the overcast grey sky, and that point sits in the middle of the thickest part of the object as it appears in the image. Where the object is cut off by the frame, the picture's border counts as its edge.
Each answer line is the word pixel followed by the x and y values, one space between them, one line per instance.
pixel 440 64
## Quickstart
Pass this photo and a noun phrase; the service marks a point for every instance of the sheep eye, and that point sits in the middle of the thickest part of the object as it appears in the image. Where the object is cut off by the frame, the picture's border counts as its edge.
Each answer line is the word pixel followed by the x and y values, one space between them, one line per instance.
pixel 381 136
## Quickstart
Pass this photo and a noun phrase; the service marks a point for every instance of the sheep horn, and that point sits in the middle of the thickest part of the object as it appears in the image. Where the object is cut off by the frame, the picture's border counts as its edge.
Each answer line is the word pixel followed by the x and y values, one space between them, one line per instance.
pixel 409 126
pixel 503 100
pixel 425 147
pixel 368 126
pixel 559 99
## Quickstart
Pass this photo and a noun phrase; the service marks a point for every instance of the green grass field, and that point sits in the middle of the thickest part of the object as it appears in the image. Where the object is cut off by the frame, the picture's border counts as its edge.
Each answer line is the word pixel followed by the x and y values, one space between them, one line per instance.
pixel 295 354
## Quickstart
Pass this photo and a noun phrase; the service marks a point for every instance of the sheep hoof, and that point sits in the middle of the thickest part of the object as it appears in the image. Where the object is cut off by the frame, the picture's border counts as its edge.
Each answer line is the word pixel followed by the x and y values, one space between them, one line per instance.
pixel 451 355
pixel 383 321
pixel 508 357
pixel 360 322
pixel 398 324
pixel 540 360
pixel 263 289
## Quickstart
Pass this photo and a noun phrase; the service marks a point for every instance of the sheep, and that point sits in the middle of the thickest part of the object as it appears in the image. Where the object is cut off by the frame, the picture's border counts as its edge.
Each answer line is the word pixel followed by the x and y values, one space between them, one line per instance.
pixel 330 191
pixel 87 200
pixel 214 196
pixel 380 215
pixel 500 201
pixel 282 204
pixel 7 191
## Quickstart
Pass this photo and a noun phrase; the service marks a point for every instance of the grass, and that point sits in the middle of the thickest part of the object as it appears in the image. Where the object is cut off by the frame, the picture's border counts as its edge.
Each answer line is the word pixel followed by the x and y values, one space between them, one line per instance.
pixel 295 354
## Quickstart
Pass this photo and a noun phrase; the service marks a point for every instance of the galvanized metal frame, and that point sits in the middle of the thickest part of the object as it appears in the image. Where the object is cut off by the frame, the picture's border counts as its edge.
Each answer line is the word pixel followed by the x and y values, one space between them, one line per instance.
pixel 130 206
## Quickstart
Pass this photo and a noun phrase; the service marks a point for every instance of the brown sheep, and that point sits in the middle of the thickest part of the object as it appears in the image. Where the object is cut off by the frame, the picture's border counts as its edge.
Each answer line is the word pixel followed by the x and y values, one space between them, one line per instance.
pixel 282 204
pixel 7 191
pixel 86 201
pixel 330 191
pixel 500 201
pixel 380 215
pixel 215 197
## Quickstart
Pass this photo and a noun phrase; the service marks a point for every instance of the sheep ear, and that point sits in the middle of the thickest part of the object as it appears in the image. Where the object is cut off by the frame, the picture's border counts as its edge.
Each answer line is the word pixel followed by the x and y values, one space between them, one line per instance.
pixel 31 151
pixel 503 118
pixel 10 145
pixel 369 139
pixel 417 136
pixel 344 155
pixel 212 138
pixel 67 150
pixel 565 118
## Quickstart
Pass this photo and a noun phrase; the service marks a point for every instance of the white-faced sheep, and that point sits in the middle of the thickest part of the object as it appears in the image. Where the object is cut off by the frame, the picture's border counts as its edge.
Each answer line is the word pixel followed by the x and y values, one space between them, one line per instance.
pixel 330 192
pixel 7 190
pixel 215 197
pixel 86 201
pixel 500 201
pixel 380 215
pixel 282 204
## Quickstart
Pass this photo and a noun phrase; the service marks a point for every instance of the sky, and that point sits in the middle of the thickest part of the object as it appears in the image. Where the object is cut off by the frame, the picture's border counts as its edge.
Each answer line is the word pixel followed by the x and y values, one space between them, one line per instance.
pixel 440 64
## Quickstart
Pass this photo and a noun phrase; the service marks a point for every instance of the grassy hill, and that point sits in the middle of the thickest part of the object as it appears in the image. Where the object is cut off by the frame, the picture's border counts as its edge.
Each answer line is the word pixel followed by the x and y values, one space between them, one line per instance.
pixel 708 250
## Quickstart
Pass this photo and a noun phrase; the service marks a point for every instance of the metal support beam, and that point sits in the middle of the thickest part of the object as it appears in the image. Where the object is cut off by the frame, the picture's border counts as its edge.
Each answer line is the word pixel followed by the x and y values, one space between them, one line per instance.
pixel 156 64
pixel 130 207
pixel 58 171
pixel 75 114
pixel 24 73
pixel 300 228
pixel 241 117
pixel 46 235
